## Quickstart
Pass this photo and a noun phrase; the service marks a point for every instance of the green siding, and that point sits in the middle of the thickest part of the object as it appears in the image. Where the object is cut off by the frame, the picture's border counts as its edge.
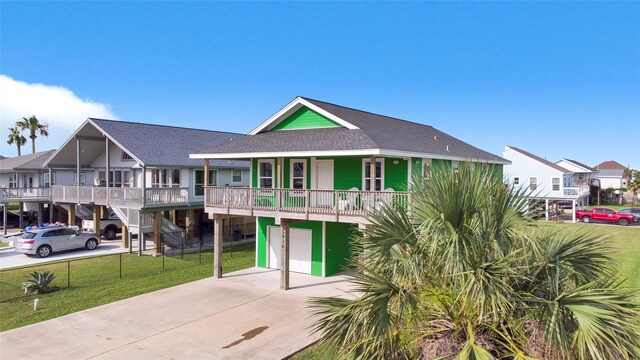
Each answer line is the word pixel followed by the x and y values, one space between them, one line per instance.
pixel 316 244
pixel 347 173
pixel 395 176
pixel 305 118
pixel 338 243
pixel 261 255
pixel 254 173
pixel 441 165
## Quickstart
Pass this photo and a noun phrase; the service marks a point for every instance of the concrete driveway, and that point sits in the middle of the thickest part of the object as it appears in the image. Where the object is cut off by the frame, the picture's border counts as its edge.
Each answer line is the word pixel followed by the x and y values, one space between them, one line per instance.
pixel 10 258
pixel 242 316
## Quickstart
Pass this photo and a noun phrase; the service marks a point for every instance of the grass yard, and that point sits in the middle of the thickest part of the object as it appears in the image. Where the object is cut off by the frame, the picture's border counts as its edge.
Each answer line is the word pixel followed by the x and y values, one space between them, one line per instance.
pixel 3 244
pixel 96 281
pixel 624 239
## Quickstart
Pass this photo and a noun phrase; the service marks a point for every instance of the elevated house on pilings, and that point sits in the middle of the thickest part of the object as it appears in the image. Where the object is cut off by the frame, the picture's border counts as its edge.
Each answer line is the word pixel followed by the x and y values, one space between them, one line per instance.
pixel 548 183
pixel 144 174
pixel 317 172
pixel 26 181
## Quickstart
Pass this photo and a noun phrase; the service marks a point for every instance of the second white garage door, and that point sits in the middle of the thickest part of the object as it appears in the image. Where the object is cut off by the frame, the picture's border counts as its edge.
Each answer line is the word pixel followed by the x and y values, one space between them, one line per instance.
pixel 299 253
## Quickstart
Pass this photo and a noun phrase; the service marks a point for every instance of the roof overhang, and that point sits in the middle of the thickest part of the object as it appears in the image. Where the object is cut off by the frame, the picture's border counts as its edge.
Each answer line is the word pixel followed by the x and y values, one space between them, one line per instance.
pixel 88 132
pixel 292 107
pixel 361 152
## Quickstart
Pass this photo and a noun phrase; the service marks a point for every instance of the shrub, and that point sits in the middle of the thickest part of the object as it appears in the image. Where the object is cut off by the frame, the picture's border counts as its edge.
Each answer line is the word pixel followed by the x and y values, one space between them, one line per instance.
pixel 39 283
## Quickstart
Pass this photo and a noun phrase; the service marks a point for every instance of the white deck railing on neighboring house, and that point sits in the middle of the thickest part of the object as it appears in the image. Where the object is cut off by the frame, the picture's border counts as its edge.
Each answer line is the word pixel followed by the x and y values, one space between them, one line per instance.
pixel 128 197
pixel 575 192
pixel 322 202
pixel 25 194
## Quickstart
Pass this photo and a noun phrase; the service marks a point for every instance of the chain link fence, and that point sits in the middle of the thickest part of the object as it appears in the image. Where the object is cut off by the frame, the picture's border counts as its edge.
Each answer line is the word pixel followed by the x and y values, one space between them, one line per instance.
pixel 178 250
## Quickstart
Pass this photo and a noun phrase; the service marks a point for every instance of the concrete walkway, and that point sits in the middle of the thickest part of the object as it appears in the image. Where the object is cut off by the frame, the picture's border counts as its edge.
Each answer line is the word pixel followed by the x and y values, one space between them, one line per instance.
pixel 242 316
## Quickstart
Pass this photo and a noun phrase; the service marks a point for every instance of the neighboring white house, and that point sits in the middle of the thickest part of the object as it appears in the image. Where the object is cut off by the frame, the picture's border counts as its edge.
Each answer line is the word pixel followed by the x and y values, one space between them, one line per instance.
pixel 611 175
pixel 546 180
pixel 582 174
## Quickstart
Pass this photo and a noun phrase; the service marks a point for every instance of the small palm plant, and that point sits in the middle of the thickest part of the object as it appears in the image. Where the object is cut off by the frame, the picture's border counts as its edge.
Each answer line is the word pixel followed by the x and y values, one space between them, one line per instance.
pixel 39 283
pixel 465 274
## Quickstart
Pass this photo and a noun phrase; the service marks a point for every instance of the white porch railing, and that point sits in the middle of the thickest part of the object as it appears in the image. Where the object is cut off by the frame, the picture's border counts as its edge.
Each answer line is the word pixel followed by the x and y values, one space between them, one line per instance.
pixel 575 191
pixel 25 194
pixel 329 202
pixel 122 197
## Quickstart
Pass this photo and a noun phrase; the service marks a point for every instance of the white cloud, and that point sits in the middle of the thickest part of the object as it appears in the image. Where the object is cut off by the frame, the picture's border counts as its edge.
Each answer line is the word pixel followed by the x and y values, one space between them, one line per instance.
pixel 63 110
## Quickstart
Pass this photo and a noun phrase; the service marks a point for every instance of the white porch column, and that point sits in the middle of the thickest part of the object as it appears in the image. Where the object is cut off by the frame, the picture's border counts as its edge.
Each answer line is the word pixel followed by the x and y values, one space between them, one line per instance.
pixel 546 209
pixel 573 211
pixel 78 170
pixel 107 167
pixel 372 173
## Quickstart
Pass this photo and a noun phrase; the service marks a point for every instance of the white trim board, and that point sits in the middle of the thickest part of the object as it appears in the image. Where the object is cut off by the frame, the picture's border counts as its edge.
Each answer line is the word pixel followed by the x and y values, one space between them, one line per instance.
pixel 329 153
pixel 291 108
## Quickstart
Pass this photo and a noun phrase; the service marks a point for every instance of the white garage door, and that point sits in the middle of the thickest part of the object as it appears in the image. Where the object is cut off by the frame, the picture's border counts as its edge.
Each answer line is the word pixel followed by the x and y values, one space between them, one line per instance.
pixel 299 254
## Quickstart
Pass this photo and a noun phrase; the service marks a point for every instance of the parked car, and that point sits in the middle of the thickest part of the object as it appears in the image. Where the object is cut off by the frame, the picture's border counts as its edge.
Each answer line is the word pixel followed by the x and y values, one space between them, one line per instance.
pixel 13 220
pixel 44 241
pixel 604 214
pixel 632 211
pixel 109 227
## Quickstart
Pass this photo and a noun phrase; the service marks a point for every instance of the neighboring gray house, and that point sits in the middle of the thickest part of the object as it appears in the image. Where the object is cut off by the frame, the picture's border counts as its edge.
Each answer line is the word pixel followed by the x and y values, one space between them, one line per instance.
pixel 142 172
pixel 25 180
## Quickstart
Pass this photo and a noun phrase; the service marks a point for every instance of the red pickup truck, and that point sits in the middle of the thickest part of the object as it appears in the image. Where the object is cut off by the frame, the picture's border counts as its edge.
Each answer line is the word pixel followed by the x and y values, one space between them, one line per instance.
pixel 604 214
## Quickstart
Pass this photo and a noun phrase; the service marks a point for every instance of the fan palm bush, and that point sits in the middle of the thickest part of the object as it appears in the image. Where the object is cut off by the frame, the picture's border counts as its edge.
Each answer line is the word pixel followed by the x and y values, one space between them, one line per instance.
pixel 465 274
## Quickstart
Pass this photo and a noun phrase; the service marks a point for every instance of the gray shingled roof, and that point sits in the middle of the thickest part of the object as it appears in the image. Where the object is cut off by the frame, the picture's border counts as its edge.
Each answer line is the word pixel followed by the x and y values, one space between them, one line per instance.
pixel 539 159
pixel 375 132
pixel 25 162
pixel 610 173
pixel 581 164
pixel 161 145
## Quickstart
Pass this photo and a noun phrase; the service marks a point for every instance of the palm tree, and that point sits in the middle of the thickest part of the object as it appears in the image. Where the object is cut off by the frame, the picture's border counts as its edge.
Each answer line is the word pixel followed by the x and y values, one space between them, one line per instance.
pixel 466 274
pixel 34 126
pixel 15 137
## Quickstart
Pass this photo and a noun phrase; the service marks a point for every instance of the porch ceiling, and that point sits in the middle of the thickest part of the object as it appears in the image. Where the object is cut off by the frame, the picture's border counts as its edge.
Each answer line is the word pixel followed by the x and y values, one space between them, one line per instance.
pixel 90 148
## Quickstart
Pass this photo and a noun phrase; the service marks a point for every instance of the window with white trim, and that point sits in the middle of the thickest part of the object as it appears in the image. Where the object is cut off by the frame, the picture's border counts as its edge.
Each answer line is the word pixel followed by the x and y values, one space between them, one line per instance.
pixel 516 181
pixel 83 178
pixel 198 189
pixel 298 174
pixel 266 174
pixel 366 171
pixel 533 183
pixel 13 180
pixel 555 184
pixel 48 182
pixel 236 175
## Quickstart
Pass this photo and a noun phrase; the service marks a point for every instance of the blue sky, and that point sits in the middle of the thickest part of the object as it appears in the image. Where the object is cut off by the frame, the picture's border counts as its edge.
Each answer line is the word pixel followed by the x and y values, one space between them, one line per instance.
pixel 556 79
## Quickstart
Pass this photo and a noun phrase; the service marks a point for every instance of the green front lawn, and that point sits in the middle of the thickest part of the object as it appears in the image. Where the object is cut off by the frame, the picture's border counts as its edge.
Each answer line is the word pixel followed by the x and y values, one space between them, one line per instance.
pixel 3 244
pixel 96 281
pixel 624 239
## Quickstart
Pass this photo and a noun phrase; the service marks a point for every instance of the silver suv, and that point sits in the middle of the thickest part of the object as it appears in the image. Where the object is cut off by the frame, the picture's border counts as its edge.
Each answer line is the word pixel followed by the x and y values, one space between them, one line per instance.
pixel 44 241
